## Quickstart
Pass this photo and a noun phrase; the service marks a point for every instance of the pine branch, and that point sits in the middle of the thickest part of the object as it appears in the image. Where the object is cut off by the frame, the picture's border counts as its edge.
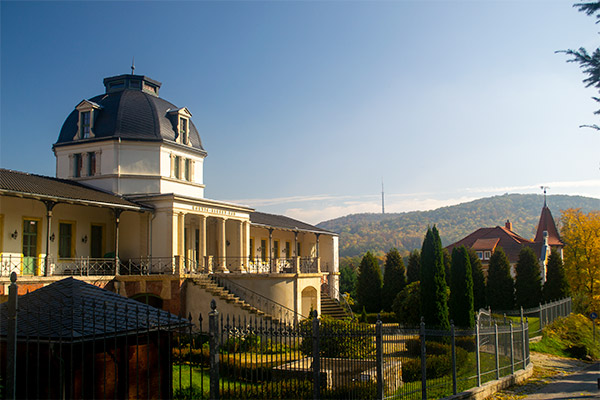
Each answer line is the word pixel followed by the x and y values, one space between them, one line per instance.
pixel 589 8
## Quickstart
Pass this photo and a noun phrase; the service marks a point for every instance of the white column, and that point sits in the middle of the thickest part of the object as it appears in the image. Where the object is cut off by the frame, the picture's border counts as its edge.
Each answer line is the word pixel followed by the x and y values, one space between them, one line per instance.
pixel 222 243
pixel 241 246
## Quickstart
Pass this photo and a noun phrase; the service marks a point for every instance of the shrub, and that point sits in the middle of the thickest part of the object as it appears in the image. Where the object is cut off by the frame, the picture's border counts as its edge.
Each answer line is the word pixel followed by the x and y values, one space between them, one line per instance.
pixel 466 342
pixel 570 336
pixel 436 365
pixel 338 338
pixel 187 393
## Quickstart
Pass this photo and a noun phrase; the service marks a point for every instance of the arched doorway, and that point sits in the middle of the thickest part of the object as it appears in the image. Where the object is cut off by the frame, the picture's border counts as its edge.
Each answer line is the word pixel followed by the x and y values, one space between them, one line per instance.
pixel 309 300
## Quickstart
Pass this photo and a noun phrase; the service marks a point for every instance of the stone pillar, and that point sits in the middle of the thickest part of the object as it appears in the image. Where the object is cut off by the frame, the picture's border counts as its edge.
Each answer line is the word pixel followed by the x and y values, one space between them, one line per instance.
pixel 222 243
pixel 202 240
pixel 242 246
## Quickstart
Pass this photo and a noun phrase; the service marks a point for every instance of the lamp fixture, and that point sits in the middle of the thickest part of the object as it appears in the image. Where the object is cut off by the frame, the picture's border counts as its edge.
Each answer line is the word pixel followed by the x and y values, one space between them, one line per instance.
pixel 14 234
pixel 84 239
pixel 52 237
pixel 227 242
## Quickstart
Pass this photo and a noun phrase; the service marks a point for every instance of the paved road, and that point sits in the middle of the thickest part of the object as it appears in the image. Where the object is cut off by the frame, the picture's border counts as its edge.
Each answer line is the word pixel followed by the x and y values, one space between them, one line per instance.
pixel 579 385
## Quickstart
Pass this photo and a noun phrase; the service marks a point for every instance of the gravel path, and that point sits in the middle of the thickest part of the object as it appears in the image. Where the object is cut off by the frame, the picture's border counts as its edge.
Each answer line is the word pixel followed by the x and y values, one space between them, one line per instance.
pixel 555 377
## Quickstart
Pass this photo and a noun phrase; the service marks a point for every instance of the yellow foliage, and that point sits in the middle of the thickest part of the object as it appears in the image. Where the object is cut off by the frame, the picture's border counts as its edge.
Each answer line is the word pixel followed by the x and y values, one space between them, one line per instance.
pixel 581 234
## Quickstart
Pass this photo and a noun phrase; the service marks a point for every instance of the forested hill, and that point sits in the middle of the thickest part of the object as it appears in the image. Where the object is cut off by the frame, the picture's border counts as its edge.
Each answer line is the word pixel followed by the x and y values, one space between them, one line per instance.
pixel 405 231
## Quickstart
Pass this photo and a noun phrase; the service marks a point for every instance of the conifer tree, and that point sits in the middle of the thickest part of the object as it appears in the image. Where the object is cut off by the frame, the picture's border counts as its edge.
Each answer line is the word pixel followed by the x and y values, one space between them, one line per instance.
pixel 447 265
pixel 556 286
pixel 500 285
pixel 478 281
pixel 368 286
pixel 528 284
pixel 413 269
pixel 394 278
pixel 461 289
pixel 434 292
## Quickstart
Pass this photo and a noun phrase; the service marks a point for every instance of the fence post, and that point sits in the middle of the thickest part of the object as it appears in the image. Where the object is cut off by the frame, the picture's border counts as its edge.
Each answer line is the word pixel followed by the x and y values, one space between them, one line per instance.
pixel 213 333
pixel 453 333
pixel 512 350
pixel 541 318
pixel 497 351
pixel 477 352
pixel 423 360
pixel 523 339
pixel 316 364
pixel 379 355
pixel 11 345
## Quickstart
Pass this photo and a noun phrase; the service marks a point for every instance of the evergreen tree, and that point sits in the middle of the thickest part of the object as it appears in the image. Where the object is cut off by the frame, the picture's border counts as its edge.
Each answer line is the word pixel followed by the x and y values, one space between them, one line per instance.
pixel 407 305
pixel 500 285
pixel 394 278
pixel 461 289
pixel 556 286
pixel 348 279
pixel 528 285
pixel 368 287
pixel 478 281
pixel 413 269
pixel 447 265
pixel 434 292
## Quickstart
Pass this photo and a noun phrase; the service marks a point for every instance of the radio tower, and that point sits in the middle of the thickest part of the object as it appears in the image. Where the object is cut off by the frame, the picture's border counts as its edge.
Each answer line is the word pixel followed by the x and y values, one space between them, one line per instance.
pixel 382 197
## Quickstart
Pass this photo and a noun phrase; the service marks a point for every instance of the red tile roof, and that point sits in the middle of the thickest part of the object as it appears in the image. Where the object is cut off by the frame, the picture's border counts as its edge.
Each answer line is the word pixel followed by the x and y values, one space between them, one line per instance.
pixel 546 223
pixel 510 242
pixel 485 244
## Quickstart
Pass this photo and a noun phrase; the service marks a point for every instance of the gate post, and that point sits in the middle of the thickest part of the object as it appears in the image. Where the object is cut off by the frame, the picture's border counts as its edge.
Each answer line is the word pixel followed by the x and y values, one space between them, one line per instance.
pixel 11 345
pixel 379 355
pixel 213 333
pixel 453 333
pixel 477 358
pixel 497 351
pixel 512 350
pixel 316 364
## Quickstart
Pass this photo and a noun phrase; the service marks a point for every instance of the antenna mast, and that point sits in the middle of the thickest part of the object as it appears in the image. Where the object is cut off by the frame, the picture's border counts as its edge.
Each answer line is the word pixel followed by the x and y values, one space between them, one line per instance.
pixel 382 198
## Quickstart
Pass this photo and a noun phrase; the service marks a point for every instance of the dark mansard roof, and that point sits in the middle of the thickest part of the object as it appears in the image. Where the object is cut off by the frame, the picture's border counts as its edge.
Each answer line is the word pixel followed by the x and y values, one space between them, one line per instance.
pixel 129 110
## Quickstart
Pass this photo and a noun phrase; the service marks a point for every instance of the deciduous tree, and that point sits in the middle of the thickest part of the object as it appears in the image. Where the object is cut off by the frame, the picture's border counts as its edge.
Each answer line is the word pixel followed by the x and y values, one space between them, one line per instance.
pixel 413 269
pixel 434 292
pixel 581 234
pixel 500 285
pixel 368 288
pixel 407 305
pixel 394 278
pixel 461 289
pixel 556 286
pixel 528 283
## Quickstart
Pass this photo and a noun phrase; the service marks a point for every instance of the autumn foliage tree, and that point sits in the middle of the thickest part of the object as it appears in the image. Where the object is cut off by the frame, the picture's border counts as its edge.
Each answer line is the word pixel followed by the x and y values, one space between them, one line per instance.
pixel 581 234
pixel 434 292
pixel 528 285
pixel 394 278
pixel 500 284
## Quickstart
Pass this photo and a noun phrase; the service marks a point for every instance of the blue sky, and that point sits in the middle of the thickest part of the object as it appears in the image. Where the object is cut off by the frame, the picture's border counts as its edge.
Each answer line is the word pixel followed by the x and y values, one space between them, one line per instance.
pixel 304 106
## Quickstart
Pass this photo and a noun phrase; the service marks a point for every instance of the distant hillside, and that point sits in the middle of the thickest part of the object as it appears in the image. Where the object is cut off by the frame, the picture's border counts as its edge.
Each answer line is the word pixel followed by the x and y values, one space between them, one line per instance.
pixel 405 231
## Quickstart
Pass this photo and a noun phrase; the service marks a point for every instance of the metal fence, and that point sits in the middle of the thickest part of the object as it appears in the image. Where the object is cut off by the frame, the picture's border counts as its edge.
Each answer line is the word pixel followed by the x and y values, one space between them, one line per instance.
pixel 538 317
pixel 126 353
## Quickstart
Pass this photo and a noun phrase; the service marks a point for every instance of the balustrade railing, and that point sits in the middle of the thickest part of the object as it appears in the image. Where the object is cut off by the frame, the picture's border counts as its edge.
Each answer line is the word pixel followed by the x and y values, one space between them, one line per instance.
pixel 309 265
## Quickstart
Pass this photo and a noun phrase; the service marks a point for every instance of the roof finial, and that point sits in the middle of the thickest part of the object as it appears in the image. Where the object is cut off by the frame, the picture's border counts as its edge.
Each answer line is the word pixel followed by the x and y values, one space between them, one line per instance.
pixel 544 189
pixel 132 65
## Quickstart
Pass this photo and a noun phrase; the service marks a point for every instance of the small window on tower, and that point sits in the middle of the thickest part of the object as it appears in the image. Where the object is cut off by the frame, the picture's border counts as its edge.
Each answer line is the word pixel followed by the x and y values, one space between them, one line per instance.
pixel 183 130
pixel 91 167
pixel 176 167
pixel 187 170
pixel 85 125
pixel 77 165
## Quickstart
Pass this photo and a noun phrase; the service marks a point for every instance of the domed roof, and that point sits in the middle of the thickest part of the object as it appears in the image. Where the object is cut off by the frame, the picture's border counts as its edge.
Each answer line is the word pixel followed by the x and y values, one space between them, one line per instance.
pixel 130 110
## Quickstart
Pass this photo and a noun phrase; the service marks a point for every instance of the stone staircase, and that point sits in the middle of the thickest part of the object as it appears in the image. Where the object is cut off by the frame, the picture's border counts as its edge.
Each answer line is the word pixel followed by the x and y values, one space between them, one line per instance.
pixel 210 286
pixel 331 307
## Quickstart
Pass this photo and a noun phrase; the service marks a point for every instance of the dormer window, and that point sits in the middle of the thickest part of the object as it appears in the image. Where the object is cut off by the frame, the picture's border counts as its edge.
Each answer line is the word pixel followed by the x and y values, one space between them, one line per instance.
pixel 88 112
pixel 181 123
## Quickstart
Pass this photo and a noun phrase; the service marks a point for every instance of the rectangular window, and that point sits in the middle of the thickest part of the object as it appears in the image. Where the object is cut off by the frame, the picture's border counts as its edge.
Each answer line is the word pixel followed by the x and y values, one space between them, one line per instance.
pixel 276 249
pixel 288 247
pixel 263 249
pixel 176 167
pixel 486 255
pixel 252 250
pixel 85 124
pixel 91 167
pixel 65 240
pixel 187 170
pixel 96 241
pixel 298 248
pixel 183 130
pixel 480 255
pixel 77 165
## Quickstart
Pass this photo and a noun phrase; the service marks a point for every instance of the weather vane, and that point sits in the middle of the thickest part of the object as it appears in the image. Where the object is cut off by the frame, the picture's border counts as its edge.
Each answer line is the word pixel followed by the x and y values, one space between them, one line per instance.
pixel 544 189
pixel 132 64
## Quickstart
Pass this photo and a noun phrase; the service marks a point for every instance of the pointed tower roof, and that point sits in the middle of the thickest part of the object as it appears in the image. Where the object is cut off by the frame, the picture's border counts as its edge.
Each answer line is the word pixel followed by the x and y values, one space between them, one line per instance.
pixel 546 223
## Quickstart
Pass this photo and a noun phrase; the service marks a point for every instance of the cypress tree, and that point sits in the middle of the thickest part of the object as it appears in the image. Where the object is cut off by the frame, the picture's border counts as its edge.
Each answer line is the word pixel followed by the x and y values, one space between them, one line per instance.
pixel 368 286
pixel 413 269
pixel 528 285
pixel 394 278
pixel 434 292
pixel 500 285
pixel 556 286
pixel 447 265
pixel 478 281
pixel 461 289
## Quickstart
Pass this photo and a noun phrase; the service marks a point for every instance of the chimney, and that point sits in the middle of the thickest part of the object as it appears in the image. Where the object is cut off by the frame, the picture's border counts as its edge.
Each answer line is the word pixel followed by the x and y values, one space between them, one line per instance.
pixel 508 225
